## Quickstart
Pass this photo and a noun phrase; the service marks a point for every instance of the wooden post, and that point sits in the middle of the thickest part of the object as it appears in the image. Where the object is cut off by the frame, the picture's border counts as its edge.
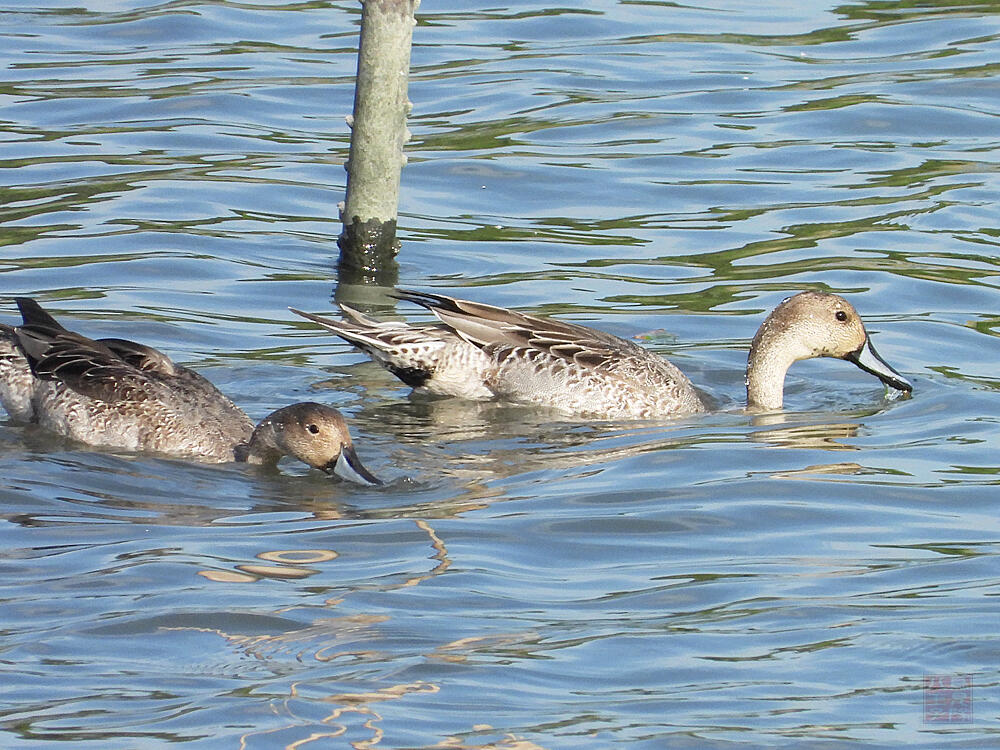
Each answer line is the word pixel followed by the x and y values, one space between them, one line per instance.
pixel 368 243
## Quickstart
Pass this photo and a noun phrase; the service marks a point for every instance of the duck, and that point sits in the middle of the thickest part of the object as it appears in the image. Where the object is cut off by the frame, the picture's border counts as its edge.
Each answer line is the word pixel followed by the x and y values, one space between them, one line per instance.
pixel 482 352
pixel 119 394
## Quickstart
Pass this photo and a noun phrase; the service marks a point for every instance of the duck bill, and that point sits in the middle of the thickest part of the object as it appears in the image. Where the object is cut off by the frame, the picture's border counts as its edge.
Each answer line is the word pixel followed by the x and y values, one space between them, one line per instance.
pixel 348 466
pixel 869 360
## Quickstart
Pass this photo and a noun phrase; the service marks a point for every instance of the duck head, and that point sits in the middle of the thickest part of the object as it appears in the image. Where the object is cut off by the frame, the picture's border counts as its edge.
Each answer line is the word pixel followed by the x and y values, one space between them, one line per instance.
pixel 315 434
pixel 807 325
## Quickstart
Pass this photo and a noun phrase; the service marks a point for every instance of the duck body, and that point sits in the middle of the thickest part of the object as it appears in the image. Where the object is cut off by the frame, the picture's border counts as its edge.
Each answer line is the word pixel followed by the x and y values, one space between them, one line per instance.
pixel 116 393
pixel 113 393
pixel 481 351
pixel 484 352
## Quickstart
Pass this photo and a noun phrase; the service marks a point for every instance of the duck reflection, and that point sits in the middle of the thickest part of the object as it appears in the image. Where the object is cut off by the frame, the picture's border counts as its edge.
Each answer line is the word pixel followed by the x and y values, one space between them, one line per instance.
pixel 822 436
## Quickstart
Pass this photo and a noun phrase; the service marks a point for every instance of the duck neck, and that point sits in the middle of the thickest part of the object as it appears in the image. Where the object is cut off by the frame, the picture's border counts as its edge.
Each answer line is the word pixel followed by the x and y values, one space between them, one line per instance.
pixel 767 363
pixel 261 448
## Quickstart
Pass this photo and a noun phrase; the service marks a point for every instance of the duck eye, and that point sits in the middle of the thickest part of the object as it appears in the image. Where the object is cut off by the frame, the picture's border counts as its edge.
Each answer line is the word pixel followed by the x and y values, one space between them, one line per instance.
pixel 841 316
pixel 313 429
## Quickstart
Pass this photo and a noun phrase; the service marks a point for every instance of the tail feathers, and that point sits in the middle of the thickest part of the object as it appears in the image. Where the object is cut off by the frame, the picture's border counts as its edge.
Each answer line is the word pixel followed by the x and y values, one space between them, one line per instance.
pixel 364 332
pixel 359 318
pixel 411 354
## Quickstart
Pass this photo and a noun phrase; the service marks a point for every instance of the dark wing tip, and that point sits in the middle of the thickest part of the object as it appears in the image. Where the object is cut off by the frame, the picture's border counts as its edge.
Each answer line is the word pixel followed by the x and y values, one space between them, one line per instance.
pixel 34 315
pixel 426 299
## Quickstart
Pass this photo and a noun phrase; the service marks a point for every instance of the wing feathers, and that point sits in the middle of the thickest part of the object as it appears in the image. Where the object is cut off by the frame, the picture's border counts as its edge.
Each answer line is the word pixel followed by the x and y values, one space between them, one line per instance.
pixel 486 325
pixel 86 366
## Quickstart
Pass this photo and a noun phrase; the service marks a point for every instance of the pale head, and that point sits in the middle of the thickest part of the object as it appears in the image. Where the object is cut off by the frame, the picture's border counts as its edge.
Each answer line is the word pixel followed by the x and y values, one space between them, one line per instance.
pixel 810 324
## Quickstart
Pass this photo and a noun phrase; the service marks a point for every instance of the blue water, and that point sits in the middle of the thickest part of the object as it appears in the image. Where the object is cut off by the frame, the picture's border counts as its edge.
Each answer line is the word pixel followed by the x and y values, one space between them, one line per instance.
pixel 170 173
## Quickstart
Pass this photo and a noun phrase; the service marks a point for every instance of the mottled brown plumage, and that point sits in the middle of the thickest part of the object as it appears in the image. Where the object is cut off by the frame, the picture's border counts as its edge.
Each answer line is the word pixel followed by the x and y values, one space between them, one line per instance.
pixel 120 394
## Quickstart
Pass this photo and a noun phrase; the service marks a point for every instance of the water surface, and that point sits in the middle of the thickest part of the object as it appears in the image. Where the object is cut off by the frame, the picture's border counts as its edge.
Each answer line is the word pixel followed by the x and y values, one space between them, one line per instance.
pixel 170 172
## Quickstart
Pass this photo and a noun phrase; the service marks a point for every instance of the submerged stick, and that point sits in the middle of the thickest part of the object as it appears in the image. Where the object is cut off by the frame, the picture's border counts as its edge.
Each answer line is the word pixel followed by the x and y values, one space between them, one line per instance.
pixel 368 243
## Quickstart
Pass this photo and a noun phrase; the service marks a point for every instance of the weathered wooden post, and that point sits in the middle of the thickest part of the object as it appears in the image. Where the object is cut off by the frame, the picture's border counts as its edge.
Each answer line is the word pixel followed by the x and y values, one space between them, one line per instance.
pixel 368 243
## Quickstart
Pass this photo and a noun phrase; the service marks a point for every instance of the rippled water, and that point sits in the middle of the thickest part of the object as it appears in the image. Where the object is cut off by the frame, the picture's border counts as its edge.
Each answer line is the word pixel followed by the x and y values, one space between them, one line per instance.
pixel 170 173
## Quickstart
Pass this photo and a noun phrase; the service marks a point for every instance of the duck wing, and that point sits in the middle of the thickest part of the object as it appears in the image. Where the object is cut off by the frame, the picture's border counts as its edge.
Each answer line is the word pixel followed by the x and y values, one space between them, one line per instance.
pixel 89 367
pixel 498 329
pixel 142 357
